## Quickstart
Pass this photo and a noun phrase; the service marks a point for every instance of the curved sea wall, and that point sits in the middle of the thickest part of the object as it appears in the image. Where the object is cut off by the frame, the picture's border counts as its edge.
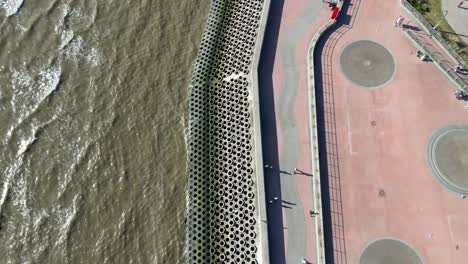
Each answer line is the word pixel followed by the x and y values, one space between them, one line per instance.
pixel 226 218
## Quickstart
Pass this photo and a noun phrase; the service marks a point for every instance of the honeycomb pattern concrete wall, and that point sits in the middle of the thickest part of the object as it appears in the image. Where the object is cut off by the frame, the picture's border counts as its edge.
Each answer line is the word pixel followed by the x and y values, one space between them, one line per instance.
pixel 222 222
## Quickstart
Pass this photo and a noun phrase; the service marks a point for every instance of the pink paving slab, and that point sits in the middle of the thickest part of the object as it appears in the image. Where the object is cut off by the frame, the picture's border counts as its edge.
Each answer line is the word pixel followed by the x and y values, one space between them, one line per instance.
pixel 390 155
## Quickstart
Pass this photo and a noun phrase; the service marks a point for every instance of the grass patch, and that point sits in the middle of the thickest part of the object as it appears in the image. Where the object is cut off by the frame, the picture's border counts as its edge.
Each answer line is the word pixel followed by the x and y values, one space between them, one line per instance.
pixel 432 11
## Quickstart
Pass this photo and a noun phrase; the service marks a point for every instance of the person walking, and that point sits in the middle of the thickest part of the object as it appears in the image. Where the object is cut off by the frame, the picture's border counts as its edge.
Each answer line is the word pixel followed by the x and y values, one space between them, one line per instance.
pixel 399 21
pixel 312 213
pixel 424 57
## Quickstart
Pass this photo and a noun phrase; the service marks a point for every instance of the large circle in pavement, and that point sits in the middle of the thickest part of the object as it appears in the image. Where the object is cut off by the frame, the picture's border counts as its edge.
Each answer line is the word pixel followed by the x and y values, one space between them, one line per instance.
pixel 447 157
pixel 367 63
pixel 389 251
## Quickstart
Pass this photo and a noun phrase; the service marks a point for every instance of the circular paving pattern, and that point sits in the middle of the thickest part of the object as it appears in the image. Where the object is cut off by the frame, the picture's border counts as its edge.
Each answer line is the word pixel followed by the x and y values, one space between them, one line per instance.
pixel 447 157
pixel 367 63
pixel 389 251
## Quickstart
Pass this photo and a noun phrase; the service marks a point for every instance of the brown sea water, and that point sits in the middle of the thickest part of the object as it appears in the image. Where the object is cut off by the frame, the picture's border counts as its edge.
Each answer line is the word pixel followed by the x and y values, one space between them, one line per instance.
pixel 93 97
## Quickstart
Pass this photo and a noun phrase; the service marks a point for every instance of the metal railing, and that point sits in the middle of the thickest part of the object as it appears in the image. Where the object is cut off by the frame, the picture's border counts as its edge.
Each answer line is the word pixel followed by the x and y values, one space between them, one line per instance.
pixel 314 134
pixel 450 72
pixel 434 33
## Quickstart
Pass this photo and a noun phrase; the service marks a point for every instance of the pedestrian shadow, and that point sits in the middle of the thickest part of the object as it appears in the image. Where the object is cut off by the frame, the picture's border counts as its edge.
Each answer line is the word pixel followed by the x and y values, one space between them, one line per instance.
pixel 299 172
pixel 286 202
pixel 269 132
pixel 411 27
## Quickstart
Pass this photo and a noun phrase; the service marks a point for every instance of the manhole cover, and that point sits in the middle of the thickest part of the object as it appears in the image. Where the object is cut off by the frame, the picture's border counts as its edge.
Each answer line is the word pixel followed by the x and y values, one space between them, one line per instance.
pixel 389 251
pixel 367 63
pixel 381 193
pixel 447 157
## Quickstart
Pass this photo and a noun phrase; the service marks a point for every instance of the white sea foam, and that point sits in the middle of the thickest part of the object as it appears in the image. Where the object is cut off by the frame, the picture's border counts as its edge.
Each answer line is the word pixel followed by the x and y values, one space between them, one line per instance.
pixel 4 193
pixel 21 28
pixel 80 19
pixel 31 220
pixel 49 79
pixel 20 194
pixel 21 78
pixel 72 46
pixel 63 220
pixel 13 169
pixel 39 216
pixel 78 151
pixel 6 180
pixel 77 50
pixel 60 28
pixel 31 88
pixel 24 145
pixel 11 7
pixel 65 37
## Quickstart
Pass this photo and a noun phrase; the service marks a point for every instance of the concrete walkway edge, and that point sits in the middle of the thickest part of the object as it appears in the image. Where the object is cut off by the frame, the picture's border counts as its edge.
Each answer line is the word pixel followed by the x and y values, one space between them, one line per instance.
pixel 264 256
pixel 313 132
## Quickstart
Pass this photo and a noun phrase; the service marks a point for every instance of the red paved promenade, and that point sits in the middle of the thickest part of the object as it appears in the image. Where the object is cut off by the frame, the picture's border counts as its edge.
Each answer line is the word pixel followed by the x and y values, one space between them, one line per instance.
pixel 373 140
pixel 380 185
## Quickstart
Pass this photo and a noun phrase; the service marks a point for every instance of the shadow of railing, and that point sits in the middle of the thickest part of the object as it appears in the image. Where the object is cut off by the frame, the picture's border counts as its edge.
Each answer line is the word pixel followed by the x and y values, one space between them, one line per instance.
pixel 453 33
pixel 269 133
pixel 335 243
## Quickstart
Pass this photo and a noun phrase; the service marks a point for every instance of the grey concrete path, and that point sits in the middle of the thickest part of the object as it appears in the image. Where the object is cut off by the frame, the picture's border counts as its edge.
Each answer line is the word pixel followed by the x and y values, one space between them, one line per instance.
pixel 457 17
pixel 286 105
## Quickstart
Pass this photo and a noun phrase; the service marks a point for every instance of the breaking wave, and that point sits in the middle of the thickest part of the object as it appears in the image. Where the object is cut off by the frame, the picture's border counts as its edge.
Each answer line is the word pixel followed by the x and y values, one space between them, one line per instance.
pixel 77 50
pixel 72 46
pixel 31 88
pixel 11 7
